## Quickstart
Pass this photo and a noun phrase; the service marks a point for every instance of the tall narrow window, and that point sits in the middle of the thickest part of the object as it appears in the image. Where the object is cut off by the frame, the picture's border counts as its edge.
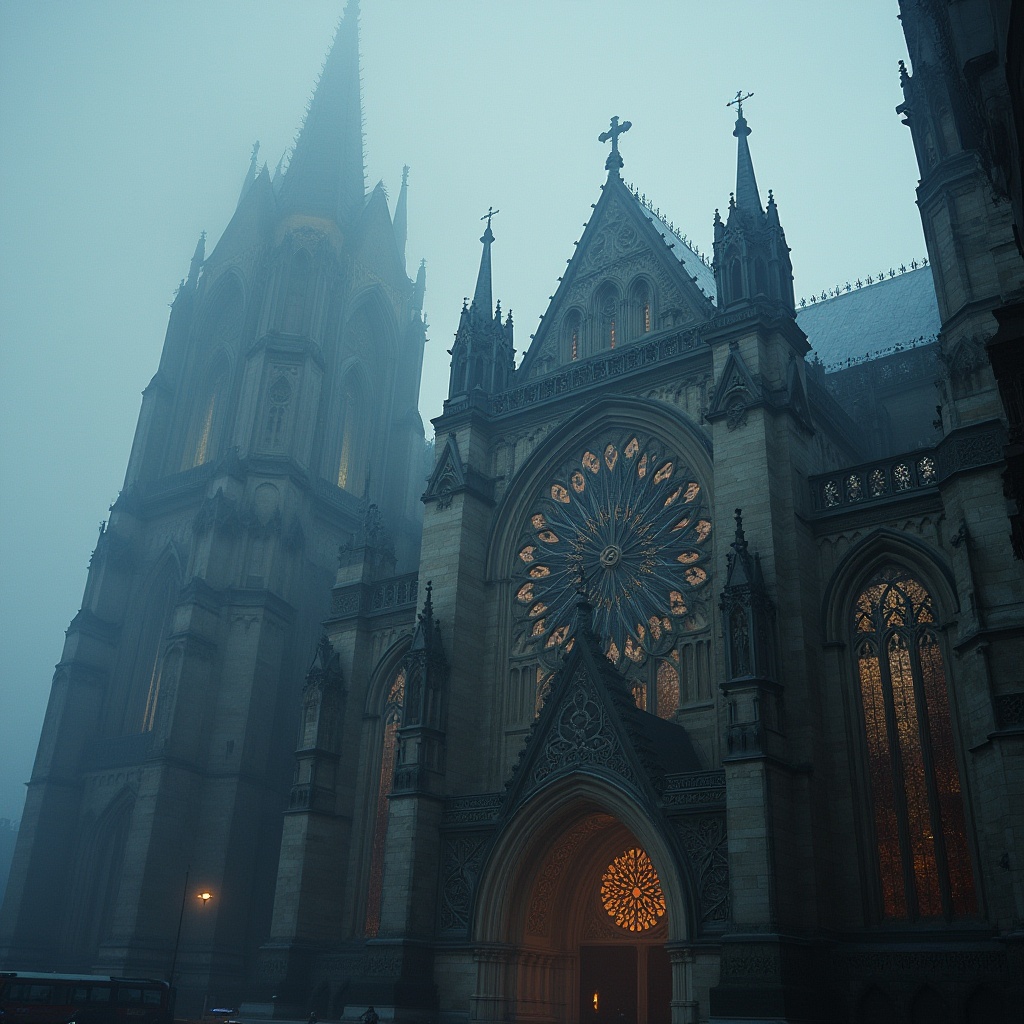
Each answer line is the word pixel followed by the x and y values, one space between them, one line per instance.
pixel 921 837
pixel 299 274
pixel 607 303
pixel 203 444
pixel 389 752
pixel 575 341
pixel 352 457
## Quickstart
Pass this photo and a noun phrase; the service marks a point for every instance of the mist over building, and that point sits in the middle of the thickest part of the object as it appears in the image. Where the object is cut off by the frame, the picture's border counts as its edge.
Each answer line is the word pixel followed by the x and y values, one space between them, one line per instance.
pixel 677 681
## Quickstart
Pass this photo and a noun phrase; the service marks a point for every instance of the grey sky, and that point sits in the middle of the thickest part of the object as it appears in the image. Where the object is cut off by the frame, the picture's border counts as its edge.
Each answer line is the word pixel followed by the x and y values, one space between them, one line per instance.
pixel 125 129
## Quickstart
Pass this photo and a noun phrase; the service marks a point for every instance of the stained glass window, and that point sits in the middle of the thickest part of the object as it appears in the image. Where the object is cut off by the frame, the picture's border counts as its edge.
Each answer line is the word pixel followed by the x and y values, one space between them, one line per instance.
pixel 631 892
pixel 392 723
pixel 624 522
pixel 921 838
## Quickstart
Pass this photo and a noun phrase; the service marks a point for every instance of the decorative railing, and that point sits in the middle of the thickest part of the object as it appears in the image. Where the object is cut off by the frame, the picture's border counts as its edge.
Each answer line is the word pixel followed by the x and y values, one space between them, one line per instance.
pixel 375 598
pixel 874 481
pixel 906 475
pixel 576 376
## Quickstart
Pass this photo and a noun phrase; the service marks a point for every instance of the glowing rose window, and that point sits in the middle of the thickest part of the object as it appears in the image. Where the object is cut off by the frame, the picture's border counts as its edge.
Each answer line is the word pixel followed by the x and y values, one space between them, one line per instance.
pixel 627 523
pixel 631 892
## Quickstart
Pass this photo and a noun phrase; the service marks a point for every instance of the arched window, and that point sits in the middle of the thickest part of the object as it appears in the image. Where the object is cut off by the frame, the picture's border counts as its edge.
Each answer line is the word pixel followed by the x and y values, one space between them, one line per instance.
pixel 640 308
pixel 392 719
pixel 351 460
pixel 279 398
pixel 299 276
pixel 920 834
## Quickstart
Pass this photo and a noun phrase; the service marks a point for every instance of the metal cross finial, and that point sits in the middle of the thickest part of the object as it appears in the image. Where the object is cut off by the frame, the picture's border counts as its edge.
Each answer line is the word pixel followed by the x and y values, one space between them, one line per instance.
pixel 737 101
pixel 491 211
pixel 614 161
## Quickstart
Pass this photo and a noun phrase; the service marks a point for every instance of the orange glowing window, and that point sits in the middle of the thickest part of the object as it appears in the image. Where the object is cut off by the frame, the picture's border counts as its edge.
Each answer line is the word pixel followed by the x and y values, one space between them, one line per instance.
pixel 631 892
pixel 914 779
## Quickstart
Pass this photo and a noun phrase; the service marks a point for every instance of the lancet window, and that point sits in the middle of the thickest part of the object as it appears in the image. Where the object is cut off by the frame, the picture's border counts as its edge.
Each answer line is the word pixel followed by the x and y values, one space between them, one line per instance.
pixel 923 860
pixel 392 719
pixel 299 277
pixel 278 400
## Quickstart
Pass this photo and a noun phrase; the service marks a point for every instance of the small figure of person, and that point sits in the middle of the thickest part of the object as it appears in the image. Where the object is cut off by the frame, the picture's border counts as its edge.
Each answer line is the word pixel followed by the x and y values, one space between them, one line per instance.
pixel 312 1017
pixel 370 1017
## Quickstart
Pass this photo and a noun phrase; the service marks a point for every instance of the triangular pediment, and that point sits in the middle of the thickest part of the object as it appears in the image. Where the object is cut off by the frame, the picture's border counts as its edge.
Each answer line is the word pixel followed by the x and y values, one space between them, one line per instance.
pixel 736 387
pixel 448 475
pixel 624 246
pixel 588 724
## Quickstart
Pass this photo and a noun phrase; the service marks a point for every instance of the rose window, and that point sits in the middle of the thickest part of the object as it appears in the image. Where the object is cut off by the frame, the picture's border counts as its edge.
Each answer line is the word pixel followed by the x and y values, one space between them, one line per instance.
pixel 631 892
pixel 626 525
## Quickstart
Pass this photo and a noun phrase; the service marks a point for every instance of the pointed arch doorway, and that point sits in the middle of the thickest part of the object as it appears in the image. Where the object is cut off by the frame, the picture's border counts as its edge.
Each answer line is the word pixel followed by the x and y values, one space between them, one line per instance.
pixel 579 909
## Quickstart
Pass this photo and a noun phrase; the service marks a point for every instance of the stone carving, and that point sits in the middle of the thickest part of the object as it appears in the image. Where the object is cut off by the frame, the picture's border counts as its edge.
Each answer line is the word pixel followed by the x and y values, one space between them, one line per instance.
pixel 466 810
pixel 706 790
pixel 704 839
pixel 554 868
pixel 1009 709
pixel 582 736
pixel 462 858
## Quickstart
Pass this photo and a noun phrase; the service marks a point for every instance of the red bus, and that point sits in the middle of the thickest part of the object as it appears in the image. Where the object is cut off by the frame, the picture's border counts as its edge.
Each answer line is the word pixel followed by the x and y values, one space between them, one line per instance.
pixel 35 998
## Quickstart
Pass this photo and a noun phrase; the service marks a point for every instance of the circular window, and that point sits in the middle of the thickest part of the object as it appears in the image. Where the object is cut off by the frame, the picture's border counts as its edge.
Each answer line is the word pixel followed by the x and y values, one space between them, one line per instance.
pixel 624 523
pixel 631 892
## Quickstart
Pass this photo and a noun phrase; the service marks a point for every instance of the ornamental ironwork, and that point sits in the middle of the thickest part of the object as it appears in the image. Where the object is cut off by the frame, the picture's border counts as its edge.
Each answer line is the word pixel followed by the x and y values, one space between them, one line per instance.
pixel 625 524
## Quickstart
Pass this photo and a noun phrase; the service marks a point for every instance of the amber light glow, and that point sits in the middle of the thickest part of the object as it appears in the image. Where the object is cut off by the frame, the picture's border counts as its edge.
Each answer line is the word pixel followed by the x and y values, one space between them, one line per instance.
pixel 923 860
pixel 631 892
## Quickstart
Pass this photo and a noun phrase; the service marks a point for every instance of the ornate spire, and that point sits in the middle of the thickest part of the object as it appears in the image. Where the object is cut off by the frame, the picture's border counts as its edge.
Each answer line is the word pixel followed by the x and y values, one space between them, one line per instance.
pixel 198 257
pixel 420 288
pixel 401 214
pixel 250 175
pixel 614 162
pixel 747 197
pixel 326 171
pixel 482 303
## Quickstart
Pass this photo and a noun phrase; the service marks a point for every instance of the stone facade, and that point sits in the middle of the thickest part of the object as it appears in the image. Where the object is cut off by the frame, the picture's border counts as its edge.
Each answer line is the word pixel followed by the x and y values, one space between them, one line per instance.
pixel 696 696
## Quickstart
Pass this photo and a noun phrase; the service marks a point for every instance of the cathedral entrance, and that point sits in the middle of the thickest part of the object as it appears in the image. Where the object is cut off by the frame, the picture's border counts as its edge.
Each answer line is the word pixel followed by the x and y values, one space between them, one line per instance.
pixel 575 923
pixel 610 984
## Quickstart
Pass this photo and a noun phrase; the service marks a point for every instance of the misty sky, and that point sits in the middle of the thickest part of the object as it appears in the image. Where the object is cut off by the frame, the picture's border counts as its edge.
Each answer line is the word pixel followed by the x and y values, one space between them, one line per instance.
pixel 126 127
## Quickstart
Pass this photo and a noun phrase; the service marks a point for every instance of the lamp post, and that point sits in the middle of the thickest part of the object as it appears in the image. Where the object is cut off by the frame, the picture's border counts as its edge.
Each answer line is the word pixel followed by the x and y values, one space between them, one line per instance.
pixel 204 897
pixel 177 938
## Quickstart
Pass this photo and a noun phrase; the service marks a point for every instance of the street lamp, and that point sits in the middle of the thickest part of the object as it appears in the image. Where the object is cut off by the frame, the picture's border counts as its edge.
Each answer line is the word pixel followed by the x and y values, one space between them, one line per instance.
pixel 205 896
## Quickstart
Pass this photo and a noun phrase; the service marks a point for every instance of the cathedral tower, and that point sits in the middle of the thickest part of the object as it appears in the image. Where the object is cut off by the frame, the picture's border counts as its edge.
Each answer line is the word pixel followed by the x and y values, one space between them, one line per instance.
pixel 283 407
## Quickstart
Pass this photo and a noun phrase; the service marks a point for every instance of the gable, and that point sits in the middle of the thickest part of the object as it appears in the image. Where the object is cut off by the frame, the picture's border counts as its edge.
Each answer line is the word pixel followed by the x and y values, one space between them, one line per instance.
pixel 626 283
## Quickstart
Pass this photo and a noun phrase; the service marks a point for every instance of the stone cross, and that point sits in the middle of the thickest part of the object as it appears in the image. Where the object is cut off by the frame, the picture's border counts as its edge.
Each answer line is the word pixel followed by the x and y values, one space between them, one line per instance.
pixel 614 161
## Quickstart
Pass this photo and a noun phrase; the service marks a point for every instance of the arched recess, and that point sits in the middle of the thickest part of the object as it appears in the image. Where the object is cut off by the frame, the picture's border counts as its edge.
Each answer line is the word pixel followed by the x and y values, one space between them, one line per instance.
pixel 539 901
pixel 607 318
pixel 641 307
pixel 887 610
pixel 152 618
pixel 351 453
pixel 97 876
pixel 210 416
pixel 667 653
pixel 572 336
pixel 383 718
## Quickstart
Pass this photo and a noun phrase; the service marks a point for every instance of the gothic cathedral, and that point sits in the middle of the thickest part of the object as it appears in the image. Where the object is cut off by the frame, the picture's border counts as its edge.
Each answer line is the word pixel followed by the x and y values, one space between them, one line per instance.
pixel 682 685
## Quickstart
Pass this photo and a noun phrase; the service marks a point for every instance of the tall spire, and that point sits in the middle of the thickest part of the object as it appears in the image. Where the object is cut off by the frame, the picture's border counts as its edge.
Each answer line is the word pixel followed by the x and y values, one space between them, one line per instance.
pixel 747 197
pixel 401 213
pixel 250 175
pixel 482 304
pixel 326 172
pixel 198 258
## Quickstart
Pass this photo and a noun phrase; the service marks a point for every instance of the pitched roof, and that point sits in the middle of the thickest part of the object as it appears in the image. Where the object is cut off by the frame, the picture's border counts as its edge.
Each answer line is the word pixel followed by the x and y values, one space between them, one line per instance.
pixel 895 313
pixel 682 251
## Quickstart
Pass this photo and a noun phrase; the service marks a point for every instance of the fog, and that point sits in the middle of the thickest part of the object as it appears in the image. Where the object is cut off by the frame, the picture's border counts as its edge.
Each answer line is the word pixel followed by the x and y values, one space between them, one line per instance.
pixel 126 128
